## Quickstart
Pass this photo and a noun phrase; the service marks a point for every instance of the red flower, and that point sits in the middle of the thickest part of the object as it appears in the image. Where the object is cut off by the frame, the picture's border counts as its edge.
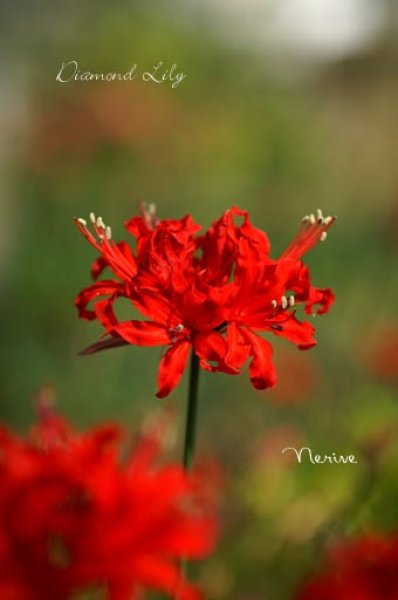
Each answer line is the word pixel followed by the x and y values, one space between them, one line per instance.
pixel 213 293
pixel 363 569
pixel 74 516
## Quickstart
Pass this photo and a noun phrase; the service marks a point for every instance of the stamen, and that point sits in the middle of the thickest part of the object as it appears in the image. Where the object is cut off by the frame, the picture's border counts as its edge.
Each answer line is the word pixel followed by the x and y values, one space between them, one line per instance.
pixel 312 230
pixel 180 327
pixel 284 302
pixel 148 212
pixel 274 303
pixel 101 239
pixel 292 300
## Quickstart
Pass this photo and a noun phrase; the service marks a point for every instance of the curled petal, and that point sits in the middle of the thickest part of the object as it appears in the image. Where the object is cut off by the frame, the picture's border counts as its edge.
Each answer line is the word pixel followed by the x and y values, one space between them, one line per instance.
pixel 171 367
pixel 323 297
pixel 100 288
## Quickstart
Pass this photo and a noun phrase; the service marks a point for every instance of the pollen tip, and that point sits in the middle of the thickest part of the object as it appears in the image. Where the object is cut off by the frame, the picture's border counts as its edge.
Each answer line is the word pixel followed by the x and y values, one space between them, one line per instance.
pixel 312 219
pixel 92 217
pixel 274 303
pixel 292 300
pixel 323 237
pixel 82 221
pixel 284 302
pixel 108 233
pixel 100 222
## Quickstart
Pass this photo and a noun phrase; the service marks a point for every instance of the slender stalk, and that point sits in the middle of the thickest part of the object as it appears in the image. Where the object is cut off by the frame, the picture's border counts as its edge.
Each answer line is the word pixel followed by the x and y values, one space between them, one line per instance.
pixel 190 426
pixel 190 435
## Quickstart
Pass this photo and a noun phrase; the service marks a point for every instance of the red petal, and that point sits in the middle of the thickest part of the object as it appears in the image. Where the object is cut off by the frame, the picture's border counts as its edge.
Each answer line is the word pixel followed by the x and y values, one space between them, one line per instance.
pixel 152 304
pixel 238 349
pixel 143 333
pixel 297 332
pixel 210 347
pixel 172 367
pixel 261 369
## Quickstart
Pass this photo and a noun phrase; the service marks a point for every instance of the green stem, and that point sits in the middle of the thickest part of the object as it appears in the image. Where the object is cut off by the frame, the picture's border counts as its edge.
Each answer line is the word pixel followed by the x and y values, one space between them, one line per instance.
pixel 190 426
pixel 190 434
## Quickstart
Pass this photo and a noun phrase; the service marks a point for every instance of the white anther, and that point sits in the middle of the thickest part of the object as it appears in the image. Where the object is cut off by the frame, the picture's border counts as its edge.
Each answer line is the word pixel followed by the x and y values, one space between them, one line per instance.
pixel 284 302
pixel 82 222
pixel 328 220
pixel 180 327
pixel 274 303
pixel 305 219
pixel 152 208
pixel 319 215
pixel 323 237
pixel 100 222
pixel 108 233
pixel 312 219
pixel 92 217
pixel 292 301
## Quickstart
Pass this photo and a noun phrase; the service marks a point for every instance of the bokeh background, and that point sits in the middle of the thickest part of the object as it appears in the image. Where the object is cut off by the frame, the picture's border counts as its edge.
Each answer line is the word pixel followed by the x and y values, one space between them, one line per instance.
pixel 287 106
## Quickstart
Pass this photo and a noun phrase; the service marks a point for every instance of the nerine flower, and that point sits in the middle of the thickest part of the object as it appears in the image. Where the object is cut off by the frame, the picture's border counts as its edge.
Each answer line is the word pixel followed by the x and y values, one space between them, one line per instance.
pixel 361 569
pixel 215 294
pixel 74 516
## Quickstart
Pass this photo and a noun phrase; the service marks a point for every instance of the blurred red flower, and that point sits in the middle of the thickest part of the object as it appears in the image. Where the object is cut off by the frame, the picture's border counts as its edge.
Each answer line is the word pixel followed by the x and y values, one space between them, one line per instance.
pixel 213 293
pixel 75 127
pixel 382 357
pixel 299 377
pixel 75 516
pixel 362 569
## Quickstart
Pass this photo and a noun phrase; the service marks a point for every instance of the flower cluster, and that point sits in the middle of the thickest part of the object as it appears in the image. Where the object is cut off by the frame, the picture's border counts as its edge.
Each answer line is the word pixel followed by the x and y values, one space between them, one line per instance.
pixel 363 569
pixel 213 293
pixel 74 516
